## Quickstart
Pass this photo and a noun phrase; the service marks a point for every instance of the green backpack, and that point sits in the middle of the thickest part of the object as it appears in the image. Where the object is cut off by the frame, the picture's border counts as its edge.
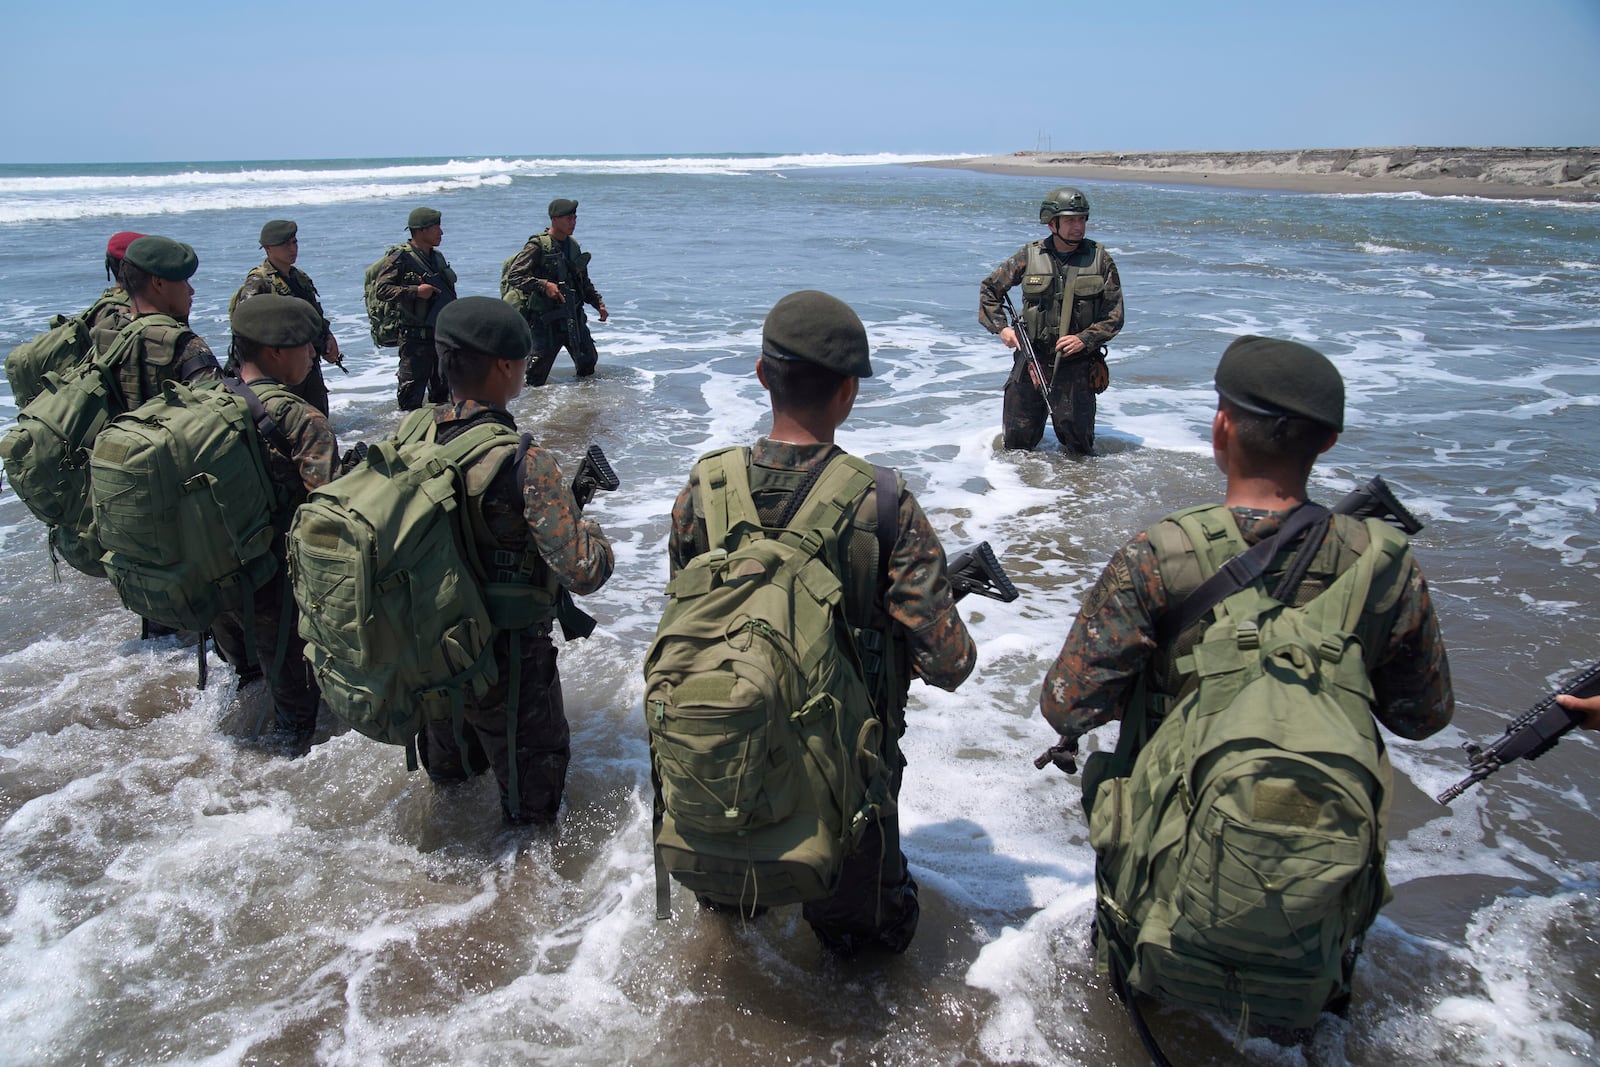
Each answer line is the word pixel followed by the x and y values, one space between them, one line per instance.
pixel 762 731
pixel 396 611
pixel 1241 862
pixel 384 318
pixel 47 453
pixel 65 345
pixel 183 504
pixel 515 297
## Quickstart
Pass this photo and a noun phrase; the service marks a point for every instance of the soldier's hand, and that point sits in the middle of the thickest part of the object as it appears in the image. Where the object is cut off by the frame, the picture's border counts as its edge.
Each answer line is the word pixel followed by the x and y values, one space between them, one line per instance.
pixel 1009 336
pixel 604 314
pixel 1070 345
pixel 425 291
pixel 553 291
pixel 332 352
pixel 1589 706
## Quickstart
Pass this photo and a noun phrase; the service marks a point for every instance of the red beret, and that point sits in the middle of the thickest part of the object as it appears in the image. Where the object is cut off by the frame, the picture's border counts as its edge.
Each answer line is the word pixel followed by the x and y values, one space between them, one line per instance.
pixel 118 245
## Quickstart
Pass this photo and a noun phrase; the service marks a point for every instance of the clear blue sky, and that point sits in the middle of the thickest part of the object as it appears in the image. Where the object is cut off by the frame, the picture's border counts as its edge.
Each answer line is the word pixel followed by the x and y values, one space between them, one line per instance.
pixel 290 79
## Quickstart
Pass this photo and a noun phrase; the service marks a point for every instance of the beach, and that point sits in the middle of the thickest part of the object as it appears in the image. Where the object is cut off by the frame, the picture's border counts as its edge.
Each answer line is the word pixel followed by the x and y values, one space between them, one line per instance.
pixel 1502 173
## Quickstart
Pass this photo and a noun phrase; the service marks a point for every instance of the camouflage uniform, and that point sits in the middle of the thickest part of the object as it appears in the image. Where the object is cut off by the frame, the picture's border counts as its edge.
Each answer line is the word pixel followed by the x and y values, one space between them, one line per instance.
pixel 268 279
pixel 540 514
pixel 1071 394
pixel 312 460
pixel 397 283
pixel 548 318
pixel 876 901
pixel 161 355
pixel 1113 641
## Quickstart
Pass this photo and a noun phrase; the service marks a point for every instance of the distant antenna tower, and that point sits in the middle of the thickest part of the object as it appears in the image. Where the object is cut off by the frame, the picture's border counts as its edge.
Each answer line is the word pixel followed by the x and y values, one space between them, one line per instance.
pixel 1041 142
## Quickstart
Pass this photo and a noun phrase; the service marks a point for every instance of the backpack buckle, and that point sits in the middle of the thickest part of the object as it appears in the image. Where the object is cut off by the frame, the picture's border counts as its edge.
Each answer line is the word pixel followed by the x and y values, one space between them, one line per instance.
pixel 1248 635
pixel 1332 648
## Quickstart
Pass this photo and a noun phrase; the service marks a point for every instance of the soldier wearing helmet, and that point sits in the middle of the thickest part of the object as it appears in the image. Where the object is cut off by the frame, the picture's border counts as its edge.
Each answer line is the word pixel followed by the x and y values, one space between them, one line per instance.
pixel 1071 308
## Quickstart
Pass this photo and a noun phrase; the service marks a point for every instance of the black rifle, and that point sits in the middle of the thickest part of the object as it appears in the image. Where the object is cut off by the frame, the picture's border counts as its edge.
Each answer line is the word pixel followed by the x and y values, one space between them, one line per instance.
pixel 446 293
pixel 569 314
pixel 1025 345
pixel 976 570
pixel 594 474
pixel 1530 736
pixel 1373 499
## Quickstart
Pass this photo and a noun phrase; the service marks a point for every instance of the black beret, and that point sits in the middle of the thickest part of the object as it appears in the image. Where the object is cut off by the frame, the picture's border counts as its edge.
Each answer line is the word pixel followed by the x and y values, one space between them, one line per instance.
pixel 276 321
pixel 1266 376
pixel 277 232
pixel 163 257
pixel 562 207
pixel 422 217
pixel 817 328
pixel 483 324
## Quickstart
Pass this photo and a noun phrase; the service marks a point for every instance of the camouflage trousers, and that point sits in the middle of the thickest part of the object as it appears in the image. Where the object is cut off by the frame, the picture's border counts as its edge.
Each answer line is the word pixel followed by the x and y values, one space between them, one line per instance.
pixel 1071 395
pixel 876 902
pixel 548 341
pixel 528 747
pixel 419 374
pixel 294 687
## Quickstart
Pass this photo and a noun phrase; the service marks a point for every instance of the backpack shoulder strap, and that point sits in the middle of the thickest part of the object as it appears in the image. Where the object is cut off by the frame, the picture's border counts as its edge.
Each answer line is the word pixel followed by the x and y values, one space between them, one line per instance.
pixel 722 488
pixel 838 490
pixel 266 425
pixel 112 357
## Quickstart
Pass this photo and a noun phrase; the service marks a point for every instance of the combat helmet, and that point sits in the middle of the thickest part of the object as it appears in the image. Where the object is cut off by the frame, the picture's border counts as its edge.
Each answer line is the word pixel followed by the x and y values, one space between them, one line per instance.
pixel 1063 201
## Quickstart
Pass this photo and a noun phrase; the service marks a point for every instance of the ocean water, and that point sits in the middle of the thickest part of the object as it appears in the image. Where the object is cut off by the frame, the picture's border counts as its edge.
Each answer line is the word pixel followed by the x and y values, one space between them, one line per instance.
pixel 168 897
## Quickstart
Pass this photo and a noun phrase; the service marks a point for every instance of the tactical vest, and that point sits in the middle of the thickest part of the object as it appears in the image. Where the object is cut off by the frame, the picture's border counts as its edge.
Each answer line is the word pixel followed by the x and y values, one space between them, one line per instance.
pixel 297 284
pixel 565 269
pixel 414 313
pixel 1050 283
pixel 157 357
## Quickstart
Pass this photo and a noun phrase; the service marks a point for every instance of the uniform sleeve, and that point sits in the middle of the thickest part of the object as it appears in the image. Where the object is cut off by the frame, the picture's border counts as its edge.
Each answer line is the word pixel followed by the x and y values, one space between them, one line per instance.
pixel 1099 334
pixel 687 538
pixel 591 295
pixel 255 284
pixel 389 285
pixel 316 449
pixel 197 354
pixel 1111 643
pixel 575 549
pixel 992 290
pixel 1412 681
pixel 920 602
pixel 525 267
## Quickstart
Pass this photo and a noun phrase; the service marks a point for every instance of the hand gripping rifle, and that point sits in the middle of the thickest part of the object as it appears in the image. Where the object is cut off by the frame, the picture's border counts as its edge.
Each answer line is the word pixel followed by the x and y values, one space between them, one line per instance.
pixel 1530 736
pixel 1373 499
pixel 1025 345
pixel 594 475
pixel 976 570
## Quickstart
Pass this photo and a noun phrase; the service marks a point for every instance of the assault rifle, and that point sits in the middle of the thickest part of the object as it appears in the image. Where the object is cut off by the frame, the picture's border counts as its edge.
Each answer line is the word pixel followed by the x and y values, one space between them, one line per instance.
pixel 1373 499
pixel 976 570
pixel 1025 345
pixel 594 475
pixel 446 293
pixel 1530 736
pixel 568 314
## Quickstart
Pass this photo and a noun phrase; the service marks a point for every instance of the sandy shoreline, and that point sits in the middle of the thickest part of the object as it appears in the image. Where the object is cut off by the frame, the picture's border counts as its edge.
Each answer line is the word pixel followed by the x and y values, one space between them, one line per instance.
pixel 1506 173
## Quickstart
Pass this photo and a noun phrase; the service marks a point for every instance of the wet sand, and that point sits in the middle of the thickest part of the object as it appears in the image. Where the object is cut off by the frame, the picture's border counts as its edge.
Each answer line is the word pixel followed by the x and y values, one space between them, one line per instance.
pixel 1507 173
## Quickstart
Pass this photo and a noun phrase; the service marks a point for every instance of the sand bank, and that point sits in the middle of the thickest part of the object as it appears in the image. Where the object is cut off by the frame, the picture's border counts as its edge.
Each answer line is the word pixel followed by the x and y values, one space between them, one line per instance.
pixel 1514 173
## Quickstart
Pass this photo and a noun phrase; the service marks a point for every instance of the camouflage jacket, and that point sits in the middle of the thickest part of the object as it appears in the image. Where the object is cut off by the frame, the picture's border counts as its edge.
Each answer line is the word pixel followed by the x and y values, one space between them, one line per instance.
pixel 533 265
pixel 540 513
pixel 157 357
pixel 313 456
pixel 1095 334
pixel 268 279
pixel 1113 640
pixel 925 628
pixel 403 272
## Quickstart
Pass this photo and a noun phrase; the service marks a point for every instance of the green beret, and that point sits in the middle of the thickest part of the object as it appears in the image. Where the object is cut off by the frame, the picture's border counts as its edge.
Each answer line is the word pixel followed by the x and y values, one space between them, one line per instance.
pixel 422 217
pixel 483 324
pixel 1266 376
pixel 163 257
pixel 817 328
pixel 276 321
pixel 277 232
pixel 562 207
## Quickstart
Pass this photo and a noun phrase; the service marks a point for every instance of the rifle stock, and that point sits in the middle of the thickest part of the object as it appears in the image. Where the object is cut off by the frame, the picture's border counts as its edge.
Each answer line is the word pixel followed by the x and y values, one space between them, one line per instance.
pixel 977 570
pixel 594 474
pixel 1533 734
